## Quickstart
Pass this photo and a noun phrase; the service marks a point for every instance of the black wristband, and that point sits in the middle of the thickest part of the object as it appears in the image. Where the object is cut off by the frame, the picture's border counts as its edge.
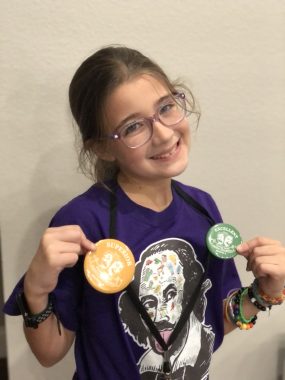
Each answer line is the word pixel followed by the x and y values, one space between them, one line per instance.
pixel 255 302
pixel 33 320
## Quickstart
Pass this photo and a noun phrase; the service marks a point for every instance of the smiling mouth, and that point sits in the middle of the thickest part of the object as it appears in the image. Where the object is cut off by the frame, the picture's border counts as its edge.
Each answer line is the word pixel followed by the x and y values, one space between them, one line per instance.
pixel 168 154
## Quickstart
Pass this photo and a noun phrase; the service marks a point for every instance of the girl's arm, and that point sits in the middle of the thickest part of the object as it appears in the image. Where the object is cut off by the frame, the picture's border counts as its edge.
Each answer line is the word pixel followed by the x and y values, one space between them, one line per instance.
pixel 59 248
pixel 249 311
pixel 266 259
pixel 46 343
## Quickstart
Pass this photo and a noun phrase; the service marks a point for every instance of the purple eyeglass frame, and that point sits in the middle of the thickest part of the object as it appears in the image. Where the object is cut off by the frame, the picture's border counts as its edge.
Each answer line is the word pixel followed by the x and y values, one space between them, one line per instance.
pixel 116 135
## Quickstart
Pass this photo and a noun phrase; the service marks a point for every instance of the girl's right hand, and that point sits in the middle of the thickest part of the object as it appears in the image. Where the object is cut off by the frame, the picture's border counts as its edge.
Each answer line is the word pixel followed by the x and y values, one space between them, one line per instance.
pixel 59 248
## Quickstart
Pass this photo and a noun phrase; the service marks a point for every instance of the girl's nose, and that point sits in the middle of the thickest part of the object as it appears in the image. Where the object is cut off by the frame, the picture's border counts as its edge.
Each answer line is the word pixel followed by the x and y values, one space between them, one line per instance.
pixel 161 133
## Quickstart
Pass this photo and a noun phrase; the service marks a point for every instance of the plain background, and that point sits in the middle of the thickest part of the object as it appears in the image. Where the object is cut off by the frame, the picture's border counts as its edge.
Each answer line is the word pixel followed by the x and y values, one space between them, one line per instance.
pixel 232 55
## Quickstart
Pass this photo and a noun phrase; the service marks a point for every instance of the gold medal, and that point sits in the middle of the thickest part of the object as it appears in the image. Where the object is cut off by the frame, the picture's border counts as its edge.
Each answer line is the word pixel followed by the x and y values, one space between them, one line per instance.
pixel 110 268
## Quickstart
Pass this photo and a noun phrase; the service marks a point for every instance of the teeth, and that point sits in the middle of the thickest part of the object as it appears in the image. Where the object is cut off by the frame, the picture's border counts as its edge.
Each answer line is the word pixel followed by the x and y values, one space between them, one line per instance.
pixel 165 155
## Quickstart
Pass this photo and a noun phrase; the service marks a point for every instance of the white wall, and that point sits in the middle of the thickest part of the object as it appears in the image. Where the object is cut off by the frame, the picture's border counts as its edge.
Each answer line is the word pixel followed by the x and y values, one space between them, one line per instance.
pixel 233 55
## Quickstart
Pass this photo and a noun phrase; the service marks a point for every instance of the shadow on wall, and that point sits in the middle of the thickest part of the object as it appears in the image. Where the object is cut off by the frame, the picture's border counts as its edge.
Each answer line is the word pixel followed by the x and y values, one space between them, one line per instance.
pixel 54 181
pixel 281 361
pixel 3 352
pixel 42 150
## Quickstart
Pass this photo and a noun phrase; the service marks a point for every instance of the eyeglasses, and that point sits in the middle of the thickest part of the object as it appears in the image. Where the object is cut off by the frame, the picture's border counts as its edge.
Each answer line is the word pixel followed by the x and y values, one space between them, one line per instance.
pixel 170 112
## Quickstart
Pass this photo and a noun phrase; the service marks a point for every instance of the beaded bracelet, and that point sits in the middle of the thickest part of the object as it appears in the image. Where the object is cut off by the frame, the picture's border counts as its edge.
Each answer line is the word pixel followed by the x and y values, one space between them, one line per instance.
pixel 255 302
pixel 255 291
pixel 240 320
pixel 233 307
pixel 264 299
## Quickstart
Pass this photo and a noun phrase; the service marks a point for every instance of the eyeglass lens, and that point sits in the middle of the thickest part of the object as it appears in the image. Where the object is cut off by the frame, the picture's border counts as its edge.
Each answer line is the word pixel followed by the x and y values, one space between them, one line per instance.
pixel 170 112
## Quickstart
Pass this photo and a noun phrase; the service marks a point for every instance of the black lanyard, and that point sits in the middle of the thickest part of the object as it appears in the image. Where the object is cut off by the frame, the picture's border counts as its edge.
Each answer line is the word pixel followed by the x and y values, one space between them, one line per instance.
pixel 134 297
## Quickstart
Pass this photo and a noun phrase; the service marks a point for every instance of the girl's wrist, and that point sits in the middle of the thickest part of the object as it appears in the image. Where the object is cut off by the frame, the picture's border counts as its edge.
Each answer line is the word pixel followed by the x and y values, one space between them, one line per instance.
pixel 35 297
pixel 239 310
pixel 265 297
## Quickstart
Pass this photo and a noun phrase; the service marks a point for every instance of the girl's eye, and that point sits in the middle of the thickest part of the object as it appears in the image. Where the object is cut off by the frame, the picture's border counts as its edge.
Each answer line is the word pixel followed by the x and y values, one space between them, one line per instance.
pixel 133 128
pixel 167 108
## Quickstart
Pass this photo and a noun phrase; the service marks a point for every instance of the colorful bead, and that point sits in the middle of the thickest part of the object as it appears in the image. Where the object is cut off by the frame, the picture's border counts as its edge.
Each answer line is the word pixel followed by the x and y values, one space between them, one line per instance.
pixel 235 304
pixel 263 299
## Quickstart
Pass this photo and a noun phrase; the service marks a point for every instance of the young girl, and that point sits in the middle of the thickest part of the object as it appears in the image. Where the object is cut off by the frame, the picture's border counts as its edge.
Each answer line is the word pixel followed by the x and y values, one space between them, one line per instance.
pixel 134 124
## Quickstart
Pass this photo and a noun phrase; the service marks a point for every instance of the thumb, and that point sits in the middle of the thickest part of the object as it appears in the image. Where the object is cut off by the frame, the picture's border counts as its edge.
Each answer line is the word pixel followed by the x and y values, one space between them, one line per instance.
pixel 243 249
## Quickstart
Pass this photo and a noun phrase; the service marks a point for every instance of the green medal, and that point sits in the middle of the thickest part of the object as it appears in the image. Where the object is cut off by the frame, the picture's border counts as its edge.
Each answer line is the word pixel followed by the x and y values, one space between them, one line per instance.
pixel 222 240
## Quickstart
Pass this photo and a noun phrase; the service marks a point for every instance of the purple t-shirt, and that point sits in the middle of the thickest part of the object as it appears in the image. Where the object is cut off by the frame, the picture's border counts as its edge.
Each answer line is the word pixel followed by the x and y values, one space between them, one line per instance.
pixel 112 342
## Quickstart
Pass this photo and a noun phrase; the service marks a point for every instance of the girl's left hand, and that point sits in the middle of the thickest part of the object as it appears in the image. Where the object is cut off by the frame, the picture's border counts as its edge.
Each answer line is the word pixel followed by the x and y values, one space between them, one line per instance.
pixel 266 259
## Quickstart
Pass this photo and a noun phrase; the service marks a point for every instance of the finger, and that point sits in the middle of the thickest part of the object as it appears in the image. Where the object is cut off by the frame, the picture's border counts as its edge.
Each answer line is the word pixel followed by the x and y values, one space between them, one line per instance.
pixel 54 247
pixel 65 233
pixel 247 247
pixel 275 253
pixel 67 260
pixel 257 264
pixel 268 250
pixel 268 269
pixel 72 233
pixel 67 247
pixel 63 247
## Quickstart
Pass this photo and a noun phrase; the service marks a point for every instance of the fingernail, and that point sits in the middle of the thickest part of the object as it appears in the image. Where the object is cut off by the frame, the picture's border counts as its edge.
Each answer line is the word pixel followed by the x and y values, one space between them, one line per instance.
pixel 239 248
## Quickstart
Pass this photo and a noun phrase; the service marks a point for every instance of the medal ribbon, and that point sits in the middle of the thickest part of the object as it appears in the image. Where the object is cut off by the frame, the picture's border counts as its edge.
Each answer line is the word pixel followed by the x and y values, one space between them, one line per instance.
pixel 134 297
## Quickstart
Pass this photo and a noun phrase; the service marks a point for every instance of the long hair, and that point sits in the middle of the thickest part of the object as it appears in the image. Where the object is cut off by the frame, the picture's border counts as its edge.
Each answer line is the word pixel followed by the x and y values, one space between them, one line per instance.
pixel 92 83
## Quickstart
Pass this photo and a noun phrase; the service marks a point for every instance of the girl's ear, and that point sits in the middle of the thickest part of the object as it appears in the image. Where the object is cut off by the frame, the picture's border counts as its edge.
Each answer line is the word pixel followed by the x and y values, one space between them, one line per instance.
pixel 103 151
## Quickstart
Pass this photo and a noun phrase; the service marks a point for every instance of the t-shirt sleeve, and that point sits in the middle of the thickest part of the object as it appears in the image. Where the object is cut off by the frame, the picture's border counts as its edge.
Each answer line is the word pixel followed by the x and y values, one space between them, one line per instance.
pixel 230 276
pixel 66 295
pixel 227 268
pixel 231 279
pixel 11 307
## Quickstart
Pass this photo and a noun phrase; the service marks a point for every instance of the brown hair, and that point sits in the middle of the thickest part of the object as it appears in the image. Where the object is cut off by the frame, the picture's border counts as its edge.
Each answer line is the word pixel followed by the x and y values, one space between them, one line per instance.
pixel 91 84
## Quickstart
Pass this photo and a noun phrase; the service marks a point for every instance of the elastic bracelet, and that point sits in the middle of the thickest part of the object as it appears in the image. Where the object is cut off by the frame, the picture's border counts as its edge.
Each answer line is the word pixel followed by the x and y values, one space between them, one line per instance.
pixel 30 319
pixel 255 302
pixel 56 316
pixel 228 308
pixel 265 299
pixel 241 321
pixel 241 314
pixel 33 320
pixel 255 291
pixel 231 311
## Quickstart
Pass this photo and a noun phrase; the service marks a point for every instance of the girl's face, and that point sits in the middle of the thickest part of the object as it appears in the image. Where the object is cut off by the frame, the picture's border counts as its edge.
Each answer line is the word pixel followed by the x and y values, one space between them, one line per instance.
pixel 165 155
